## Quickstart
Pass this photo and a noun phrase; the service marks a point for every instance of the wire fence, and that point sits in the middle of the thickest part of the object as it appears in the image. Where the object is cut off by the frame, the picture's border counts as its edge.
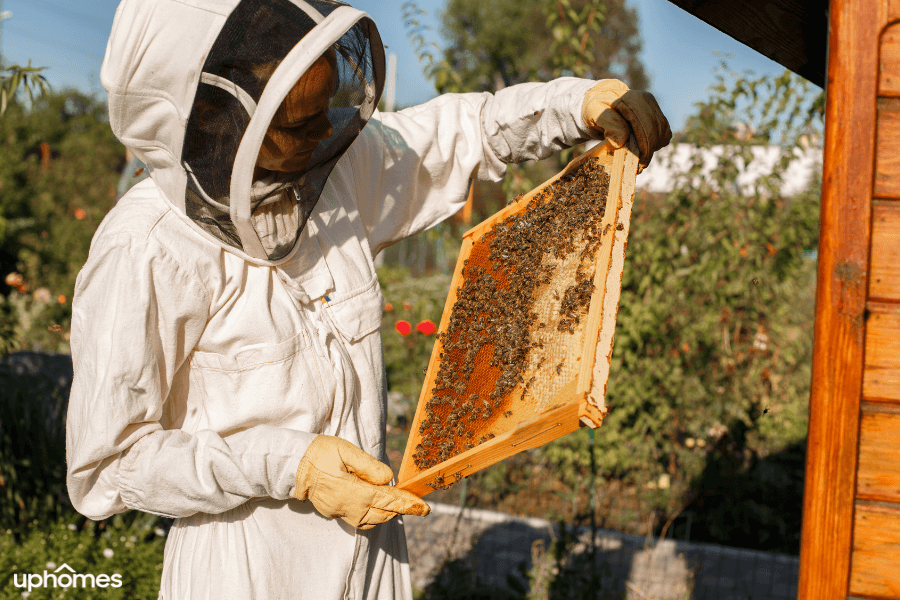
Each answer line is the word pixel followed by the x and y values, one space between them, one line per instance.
pixel 497 546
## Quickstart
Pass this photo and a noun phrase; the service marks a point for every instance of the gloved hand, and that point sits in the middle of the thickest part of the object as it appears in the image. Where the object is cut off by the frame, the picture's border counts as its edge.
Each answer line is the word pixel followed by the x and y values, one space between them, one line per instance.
pixel 614 111
pixel 343 481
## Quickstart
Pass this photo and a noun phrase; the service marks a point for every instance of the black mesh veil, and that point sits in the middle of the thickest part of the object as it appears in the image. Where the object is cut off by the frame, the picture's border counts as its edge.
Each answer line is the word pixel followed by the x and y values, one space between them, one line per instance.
pixel 252 44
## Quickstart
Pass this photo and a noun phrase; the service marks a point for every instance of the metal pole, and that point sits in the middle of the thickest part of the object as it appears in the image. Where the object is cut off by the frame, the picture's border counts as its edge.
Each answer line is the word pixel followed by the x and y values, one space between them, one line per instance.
pixel 391 83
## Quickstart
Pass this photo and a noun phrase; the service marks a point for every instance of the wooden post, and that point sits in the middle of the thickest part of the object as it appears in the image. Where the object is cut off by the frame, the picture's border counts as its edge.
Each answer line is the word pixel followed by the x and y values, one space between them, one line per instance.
pixel 828 503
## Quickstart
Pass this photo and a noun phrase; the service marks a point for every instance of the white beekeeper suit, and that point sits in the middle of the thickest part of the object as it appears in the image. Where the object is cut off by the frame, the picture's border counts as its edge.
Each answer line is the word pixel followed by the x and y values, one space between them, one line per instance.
pixel 220 325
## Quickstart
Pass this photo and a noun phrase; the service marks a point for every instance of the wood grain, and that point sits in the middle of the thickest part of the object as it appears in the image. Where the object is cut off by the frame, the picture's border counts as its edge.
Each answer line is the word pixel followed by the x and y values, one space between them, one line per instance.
pixel 884 274
pixel 881 377
pixel 793 33
pixel 888 11
pixel 600 376
pixel 875 570
pixel 879 456
pixel 887 151
pixel 889 62
pixel 830 481
pixel 601 273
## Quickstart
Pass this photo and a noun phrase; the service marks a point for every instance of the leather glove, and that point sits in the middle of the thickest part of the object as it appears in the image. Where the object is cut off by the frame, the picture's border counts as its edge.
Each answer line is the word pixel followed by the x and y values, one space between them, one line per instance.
pixel 614 111
pixel 343 481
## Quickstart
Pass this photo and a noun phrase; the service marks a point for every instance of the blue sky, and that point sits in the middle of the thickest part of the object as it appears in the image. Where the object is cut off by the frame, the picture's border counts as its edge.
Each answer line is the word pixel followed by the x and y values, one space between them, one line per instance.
pixel 679 50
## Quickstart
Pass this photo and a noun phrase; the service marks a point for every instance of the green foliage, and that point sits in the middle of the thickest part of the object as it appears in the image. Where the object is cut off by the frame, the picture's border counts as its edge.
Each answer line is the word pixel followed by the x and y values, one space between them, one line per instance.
pixel 58 171
pixel 134 550
pixel 411 299
pixel 779 110
pixel 491 45
pixel 15 78
pixel 574 31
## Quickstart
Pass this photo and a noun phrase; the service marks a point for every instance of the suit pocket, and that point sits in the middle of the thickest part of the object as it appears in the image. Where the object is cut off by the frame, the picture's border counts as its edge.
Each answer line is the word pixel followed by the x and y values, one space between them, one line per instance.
pixel 357 313
pixel 273 384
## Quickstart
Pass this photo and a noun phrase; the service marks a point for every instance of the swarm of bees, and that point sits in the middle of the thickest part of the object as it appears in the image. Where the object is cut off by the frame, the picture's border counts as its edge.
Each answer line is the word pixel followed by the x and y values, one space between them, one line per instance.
pixel 492 326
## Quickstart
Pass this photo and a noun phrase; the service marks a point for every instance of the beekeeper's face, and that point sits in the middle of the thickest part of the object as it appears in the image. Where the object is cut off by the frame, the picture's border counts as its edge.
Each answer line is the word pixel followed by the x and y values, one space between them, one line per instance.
pixel 302 119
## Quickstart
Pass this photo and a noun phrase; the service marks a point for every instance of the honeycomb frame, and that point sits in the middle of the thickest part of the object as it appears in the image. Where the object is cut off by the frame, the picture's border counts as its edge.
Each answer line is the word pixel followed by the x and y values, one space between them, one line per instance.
pixel 577 398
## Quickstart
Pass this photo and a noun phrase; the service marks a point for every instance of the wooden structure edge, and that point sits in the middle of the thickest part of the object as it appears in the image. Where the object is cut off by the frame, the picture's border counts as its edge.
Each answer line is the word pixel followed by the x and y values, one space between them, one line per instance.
pixel 843 261
pixel 601 273
pixel 606 336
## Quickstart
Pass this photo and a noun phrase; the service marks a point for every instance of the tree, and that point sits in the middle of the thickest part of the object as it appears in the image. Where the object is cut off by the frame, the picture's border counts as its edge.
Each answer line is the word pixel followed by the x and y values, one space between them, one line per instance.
pixel 58 171
pixel 491 45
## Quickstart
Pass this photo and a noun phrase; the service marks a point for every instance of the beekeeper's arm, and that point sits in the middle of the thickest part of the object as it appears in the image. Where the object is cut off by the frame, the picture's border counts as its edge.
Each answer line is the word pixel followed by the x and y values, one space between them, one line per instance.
pixel 136 316
pixel 413 167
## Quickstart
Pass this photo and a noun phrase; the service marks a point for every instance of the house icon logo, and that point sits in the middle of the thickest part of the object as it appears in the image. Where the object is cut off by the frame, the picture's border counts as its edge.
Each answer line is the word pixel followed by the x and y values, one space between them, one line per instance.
pixel 65 576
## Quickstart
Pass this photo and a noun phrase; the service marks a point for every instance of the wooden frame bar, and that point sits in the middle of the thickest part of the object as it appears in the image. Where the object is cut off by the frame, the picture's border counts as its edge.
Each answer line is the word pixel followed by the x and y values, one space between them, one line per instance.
pixel 830 482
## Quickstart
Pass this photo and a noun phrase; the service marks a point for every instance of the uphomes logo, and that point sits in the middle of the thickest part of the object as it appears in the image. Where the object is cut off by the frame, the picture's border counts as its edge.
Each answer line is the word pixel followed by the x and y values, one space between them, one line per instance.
pixel 65 577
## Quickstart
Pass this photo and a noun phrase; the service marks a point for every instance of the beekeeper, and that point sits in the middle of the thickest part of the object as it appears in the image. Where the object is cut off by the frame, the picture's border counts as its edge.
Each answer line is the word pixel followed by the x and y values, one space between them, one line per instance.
pixel 225 330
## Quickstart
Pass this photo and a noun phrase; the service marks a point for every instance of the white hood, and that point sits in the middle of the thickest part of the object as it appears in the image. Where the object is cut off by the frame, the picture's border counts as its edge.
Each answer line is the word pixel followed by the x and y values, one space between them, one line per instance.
pixel 165 54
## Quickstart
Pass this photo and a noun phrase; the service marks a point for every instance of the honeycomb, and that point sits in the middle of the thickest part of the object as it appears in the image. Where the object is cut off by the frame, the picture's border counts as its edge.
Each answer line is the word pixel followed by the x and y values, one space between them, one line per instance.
pixel 526 290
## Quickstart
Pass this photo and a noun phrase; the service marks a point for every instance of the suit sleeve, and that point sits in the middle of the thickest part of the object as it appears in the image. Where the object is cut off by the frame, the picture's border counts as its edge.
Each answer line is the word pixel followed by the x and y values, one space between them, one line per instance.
pixel 137 314
pixel 413 168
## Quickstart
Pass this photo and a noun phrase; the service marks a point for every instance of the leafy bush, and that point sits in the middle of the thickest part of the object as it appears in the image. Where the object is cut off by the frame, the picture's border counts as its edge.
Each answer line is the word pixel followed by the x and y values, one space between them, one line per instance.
pixel 58 172
pixel 132 550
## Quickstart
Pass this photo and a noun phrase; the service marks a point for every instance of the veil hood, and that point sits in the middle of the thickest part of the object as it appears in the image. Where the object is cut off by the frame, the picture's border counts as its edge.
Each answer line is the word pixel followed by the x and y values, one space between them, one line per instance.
pixel 194 84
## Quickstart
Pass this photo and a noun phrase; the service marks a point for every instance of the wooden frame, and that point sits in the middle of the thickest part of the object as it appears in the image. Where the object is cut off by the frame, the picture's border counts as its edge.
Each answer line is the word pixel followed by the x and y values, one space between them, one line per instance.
pixel 580 400
pixel 837 555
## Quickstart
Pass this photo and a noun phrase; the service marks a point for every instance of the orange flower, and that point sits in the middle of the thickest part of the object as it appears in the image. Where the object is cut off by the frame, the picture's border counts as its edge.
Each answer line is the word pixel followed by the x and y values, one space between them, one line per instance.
pixel 406 305
pixel 80 214
pixel 17 281
pixel 403 328
pixel 426 327
pixel 388 307
pixel 62 299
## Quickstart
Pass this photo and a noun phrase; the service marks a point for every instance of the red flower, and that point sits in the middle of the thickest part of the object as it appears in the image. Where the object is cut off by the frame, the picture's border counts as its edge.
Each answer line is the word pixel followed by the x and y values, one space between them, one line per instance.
pixel 403 328
pixel 426 327
pixel 406 305
pixel 388 307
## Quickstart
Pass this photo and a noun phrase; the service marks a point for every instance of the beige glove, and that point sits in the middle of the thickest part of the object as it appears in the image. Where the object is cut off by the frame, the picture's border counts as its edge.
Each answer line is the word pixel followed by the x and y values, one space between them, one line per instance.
pixel 343 481
pixel 614 111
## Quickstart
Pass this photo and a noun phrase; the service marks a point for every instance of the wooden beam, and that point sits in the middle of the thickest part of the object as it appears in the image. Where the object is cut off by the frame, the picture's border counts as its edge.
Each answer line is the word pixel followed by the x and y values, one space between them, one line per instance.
pixel 881 374
pixel 884 271
pixel 887 154
pixel 834 413
pixel 793 33
pixel 876 561
pixel 879 455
